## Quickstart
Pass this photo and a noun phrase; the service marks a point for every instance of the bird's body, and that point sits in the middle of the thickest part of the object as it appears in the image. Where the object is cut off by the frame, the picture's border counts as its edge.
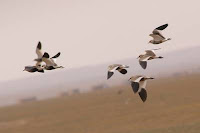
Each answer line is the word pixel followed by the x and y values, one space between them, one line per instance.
pixel 138 84
pixel 119 67
pixel 50 62
pixel 149 55
pixel 158 38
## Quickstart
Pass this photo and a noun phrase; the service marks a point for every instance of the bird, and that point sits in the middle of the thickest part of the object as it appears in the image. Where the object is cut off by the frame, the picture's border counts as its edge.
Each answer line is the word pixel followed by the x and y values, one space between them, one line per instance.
pixel 37 68
pixel 157 36
pixel 39 52
pixel 138 84
pixel 119 67
pixel 149 55
pixel 50 62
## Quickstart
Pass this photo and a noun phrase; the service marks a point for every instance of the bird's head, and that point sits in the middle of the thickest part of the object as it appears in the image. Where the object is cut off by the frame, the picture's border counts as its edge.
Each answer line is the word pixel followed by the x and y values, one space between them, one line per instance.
pixel 139 56
pixel 130 79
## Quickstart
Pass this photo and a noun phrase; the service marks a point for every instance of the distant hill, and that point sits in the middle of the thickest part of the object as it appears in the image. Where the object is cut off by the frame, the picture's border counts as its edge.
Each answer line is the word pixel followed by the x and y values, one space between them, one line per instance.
pixel 49 84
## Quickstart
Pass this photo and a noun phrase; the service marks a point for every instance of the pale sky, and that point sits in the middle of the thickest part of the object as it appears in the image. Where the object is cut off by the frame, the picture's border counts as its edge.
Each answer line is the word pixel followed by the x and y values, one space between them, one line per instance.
pixel 89 32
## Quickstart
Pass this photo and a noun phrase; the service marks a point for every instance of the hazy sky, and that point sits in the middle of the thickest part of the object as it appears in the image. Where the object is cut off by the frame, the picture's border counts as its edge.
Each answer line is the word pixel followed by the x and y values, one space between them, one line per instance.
pixel 90 31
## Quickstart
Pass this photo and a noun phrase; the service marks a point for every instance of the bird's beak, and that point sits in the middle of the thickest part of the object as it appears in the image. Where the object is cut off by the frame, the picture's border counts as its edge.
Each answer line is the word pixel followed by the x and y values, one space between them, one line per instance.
pixel 152 78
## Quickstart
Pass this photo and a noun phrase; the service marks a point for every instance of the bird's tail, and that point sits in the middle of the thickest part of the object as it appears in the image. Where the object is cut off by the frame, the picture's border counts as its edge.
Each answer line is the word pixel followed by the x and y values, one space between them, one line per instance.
pixel 169 39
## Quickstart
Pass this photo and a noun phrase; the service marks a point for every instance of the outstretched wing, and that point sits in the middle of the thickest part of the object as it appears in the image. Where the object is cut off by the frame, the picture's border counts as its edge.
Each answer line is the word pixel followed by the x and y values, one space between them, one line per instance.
pixel 56 56
pixel 135 86
pixel 162 27
pixel 143 64
pixel 143 94
pixel 109 75
pixel 39 50
pixel 122 71
pixel 151 52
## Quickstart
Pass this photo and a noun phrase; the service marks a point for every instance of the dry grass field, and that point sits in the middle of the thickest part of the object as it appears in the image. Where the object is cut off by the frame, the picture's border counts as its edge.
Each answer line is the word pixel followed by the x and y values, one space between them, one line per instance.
pixel 173 106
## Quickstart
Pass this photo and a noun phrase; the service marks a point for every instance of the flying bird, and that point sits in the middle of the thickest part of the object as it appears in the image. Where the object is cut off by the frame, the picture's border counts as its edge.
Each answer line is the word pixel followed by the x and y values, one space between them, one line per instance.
pixel 149 55
pixel 157 36
pixel 118 67
pixel 50 62
pixel 138 84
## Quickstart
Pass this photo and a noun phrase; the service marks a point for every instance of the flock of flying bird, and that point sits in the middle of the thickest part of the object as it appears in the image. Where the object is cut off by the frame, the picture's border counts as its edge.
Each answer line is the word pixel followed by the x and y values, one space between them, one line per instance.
pixel 138 82
pixel 50 62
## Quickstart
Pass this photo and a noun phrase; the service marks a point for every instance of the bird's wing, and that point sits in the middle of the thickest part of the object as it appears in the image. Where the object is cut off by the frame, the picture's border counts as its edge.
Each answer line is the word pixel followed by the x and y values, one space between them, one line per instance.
pixel 142 90
pixel 157 32
pixel 143 94
pixel 157 37
pixel 109 75
pixel 162 27
pixel 112 68
pixel 143 83
pixel 39 50
pixel 143 64
pixel 122 71
pixel 135 86
pixel 56 56
pixel 150 52
pixel 135 83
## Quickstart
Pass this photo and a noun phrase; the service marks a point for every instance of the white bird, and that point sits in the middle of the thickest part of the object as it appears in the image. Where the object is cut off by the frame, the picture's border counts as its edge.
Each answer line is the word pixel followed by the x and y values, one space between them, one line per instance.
pixel 119 67
pixel 149 55
pixel 138 84
pixel 157 36
pixel 50 62
pixel 37 68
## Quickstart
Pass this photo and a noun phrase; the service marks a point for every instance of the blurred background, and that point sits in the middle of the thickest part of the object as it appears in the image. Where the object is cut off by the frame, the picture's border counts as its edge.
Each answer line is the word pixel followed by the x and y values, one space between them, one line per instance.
pixel 91 35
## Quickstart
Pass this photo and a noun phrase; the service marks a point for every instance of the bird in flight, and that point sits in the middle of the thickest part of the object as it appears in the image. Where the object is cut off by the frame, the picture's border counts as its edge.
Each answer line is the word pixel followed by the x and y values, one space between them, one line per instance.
pixel 138 84
pixel 118 67
pixel 157 36
pixel 149 55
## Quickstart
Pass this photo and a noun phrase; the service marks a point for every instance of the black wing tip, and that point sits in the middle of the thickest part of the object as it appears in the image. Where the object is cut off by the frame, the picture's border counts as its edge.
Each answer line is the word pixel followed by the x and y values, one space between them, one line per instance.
pixel 143 94
pixel 135 86
pixel 41 71
pixel 45 55
pixel 39 46
pixel 110 75
pixel 143 64
pixel 123 71
pixel 57 55
pixel 162 27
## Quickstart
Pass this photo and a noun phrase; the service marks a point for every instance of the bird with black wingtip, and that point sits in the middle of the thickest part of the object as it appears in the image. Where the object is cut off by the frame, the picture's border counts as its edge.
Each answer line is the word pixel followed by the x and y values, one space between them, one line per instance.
pixel 120 68
pixel 158 38
pixel 138 84
pixel 149 55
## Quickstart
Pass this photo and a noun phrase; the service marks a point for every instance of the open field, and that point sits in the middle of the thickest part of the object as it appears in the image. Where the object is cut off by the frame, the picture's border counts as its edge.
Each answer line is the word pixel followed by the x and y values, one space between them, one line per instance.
pixel 173 106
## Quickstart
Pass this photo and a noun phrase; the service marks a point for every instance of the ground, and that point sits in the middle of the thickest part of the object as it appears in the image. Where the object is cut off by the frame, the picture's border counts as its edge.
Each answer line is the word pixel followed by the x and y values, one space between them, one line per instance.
pixel 173 106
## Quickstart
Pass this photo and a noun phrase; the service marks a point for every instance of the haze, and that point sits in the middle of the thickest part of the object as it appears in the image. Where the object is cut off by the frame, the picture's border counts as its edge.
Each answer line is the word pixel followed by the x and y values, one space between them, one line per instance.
pixel 90 32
